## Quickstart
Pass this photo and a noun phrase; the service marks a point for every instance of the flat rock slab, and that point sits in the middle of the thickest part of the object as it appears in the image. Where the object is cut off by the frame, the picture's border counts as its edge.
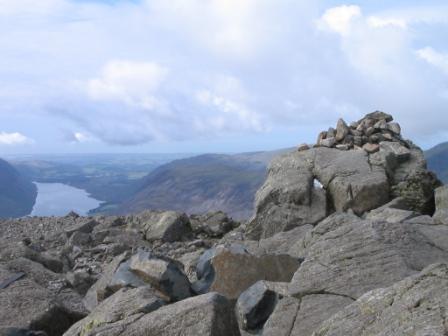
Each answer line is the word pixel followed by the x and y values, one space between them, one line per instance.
pixel 300 317
pixel 418 305
pixel 349 256
pixel 391 215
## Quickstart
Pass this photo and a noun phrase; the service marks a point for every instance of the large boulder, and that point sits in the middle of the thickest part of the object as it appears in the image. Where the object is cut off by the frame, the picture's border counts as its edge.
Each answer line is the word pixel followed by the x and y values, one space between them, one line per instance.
pixel 418 305
pixel 214 224
pixel 167 226
pixel 206 315
pixel 409 178
pixel 288 198
pixel 351 181
pixel 230 270
pixel 255 305
pixel 162 273
pixel 141 269
pixel 126 303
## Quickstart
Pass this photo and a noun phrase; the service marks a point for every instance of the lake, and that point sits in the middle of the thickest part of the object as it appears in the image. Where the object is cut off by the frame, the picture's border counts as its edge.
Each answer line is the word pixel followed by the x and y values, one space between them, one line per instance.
pixel 57 199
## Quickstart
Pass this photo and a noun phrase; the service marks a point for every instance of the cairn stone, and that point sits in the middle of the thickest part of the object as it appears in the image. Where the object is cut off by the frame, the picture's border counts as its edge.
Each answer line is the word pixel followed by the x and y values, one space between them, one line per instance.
pixel 303 147
pixel 329 142
pixel 374 128
pixel 342 130
pixel 378 115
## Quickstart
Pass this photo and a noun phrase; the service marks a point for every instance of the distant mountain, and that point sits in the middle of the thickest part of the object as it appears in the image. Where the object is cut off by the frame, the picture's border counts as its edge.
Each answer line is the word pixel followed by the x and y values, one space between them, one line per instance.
pixel 17 193
pixel 437 158
pixel 203 183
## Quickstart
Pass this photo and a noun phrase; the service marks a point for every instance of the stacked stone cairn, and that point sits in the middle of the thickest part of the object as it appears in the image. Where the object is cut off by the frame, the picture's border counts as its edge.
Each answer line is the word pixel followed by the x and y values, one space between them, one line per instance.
pixel 365 134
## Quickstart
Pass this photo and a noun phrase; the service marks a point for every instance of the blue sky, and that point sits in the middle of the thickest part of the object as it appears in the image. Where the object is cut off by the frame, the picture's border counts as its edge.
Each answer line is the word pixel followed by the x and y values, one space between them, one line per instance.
pixel 215 75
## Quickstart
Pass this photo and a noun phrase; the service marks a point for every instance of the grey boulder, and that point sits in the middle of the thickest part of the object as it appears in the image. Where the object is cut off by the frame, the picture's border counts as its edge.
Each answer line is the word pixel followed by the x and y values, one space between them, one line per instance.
pixel 206 315
pixel 115 276
pixel 288 198
pixel 124 304
pixel 84 225
pixel 163 274
pixel 167 226
pixel 214 224
pixel 255 305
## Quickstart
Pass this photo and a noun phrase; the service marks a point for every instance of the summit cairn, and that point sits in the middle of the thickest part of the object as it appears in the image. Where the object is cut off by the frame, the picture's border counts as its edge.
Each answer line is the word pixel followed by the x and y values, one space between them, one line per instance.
pixel 359 167
pixel 366 133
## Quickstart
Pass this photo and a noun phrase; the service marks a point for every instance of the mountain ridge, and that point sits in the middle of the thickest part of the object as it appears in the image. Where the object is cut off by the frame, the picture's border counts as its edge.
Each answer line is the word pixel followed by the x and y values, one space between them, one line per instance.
pixel 437 158
pixel 17 193
pixel 208 182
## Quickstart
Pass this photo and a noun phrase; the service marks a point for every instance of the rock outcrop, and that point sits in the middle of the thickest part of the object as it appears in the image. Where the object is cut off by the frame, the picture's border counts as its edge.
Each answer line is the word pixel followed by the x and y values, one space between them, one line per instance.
pixel 355 175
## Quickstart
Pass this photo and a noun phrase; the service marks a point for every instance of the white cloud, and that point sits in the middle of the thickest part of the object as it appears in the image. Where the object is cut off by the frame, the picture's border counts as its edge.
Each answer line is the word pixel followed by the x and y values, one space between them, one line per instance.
pixel 339 19
pixel 231 28
pixel 240 116
pixel 379 22
pixel 376 46
pixel 187 69
pixel 14 139
pixel 81 137
pixel 435 58
pixel 134 83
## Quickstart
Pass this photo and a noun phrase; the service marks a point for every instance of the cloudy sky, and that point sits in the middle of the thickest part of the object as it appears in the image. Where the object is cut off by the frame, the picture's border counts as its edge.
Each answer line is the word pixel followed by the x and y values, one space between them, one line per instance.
pixel 215 75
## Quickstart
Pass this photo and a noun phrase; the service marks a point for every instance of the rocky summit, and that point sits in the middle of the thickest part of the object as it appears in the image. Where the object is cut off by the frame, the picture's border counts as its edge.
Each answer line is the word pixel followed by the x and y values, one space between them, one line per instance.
pixel 349 237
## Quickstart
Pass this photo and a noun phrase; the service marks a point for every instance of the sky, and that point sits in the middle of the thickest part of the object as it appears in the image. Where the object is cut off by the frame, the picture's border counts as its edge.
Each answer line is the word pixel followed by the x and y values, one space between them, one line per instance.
pixel 196 76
